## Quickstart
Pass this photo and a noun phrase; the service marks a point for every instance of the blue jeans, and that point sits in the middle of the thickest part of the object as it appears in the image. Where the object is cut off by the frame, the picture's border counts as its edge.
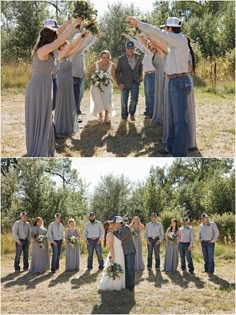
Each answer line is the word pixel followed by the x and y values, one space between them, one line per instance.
pixel 152 246
pixel 208 255
pixel 149 90
pixel 19 249
pixel 78 84
pixel 98 248
pixel 134 90
pixel 178 90
pixel 54 84
pixel 183 251
pixel 56 252
pixel 129 271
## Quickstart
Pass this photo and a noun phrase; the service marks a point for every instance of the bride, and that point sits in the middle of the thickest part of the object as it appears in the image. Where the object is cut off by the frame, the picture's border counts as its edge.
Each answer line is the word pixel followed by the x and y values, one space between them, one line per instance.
pixel 102 101
pixel 115 255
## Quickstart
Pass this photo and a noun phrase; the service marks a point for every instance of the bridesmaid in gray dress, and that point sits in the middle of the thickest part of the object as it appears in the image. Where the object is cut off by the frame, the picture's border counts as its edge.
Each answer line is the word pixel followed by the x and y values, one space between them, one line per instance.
pixel 137 227
pixel 40 138
pixel 171 255
pixel 66 119
pixel 40 253
pixel 72 250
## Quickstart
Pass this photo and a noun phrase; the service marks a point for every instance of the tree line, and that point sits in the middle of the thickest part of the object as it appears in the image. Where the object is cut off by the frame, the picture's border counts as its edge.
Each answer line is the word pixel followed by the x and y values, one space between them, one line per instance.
pixel 45 186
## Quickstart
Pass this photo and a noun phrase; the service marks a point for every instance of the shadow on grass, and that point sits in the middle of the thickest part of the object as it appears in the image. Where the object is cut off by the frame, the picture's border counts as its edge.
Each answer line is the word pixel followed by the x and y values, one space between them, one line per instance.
pixel 85 278
pixel 184 280
pixel 222 283
pixel 115 302
pixel 139 277
pixel 63 277
pixel 10 276
pixel 30 280
pixel 157 278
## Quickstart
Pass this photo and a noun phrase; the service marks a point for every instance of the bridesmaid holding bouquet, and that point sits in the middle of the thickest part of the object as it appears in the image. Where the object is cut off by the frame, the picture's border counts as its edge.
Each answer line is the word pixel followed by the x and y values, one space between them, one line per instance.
pixel 137 227
pixel 72 237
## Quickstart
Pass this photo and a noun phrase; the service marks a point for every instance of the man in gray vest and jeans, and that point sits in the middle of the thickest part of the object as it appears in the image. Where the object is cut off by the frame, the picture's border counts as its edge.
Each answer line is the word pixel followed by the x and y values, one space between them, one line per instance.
pixel 129 75
pixel 123 233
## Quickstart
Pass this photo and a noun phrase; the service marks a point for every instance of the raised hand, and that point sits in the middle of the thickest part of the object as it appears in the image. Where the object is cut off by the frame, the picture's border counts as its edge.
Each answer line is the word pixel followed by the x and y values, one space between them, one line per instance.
pixel 125 35
pixel 100 35
pixel 132 20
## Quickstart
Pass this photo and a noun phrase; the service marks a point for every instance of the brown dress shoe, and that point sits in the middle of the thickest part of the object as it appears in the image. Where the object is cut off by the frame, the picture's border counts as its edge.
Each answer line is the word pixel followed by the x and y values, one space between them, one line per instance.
pixel 132 118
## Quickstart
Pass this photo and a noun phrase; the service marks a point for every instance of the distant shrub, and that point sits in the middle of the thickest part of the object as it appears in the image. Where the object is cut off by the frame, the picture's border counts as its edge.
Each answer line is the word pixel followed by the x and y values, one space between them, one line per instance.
pixel 226 226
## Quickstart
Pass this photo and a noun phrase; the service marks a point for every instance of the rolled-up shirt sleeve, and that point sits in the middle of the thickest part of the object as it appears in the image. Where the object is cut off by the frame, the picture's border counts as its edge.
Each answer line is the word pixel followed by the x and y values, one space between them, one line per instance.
pixel 29 233
pixel 191 237
pixel 216 232
pixel 15 232
pixel 50 236
pixel 85 234
pixel 161 232
pixel 101 232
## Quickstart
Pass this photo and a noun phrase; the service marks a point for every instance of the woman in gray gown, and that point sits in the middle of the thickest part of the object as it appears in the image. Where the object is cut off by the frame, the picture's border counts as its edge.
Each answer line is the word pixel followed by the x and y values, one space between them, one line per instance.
pixel 171 255
pixel 137 227
pixel 66 119
pixel 40 253
pixel 72 237
pixel 40 137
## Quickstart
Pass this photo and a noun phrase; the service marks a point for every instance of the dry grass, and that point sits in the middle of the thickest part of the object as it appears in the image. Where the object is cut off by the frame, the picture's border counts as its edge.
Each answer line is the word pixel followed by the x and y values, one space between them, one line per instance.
pixel 155 293
pixel 215 130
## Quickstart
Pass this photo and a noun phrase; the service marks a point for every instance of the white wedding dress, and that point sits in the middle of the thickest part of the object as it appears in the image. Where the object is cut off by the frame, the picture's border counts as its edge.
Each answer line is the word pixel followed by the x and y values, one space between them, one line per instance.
pixel 106 283
pixel 101 101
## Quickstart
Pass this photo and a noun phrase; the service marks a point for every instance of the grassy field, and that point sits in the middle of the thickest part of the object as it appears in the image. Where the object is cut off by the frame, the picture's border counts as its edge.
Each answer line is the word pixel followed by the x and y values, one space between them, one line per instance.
pixel 155 293
pixel 215 130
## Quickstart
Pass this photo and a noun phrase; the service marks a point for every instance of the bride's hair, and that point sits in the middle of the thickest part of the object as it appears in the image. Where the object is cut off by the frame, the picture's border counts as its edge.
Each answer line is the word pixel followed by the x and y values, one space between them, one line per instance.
pixel 106 225
pixel 106 52
pixel 136 217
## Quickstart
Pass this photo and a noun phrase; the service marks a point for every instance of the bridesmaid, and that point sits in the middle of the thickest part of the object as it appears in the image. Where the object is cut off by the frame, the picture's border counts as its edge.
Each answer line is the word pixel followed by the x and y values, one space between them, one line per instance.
pixel 40 137
pixel 66 120
pixel 40 253
pixel 171 256
pixel 137 227
pixel 72 250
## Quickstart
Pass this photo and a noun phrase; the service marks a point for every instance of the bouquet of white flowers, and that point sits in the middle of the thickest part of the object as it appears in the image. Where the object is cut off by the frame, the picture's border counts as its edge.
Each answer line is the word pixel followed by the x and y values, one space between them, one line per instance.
pixel 172 237
pixel 100 78
pixel 114 271
pixel 73 240
pixel 134 233
pixel 41 239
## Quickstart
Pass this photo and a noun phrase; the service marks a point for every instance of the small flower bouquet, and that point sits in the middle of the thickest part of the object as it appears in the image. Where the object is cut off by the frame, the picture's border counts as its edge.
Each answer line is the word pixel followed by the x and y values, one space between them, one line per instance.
pixel 100 78
pixel 172 237
pixel 114 271
pixel 41 239
pixel 134 233
pixel 84 10
pixel 73 240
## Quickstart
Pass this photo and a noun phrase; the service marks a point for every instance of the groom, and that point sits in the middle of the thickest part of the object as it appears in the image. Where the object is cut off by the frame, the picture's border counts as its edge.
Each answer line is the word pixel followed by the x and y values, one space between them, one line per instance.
pixel 123 233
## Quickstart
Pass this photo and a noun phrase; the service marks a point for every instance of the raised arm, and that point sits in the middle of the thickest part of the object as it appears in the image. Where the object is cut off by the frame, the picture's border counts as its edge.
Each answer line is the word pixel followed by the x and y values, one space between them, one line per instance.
pixel 142 41
pixel 44 51
pixel 76 44
pixel 163 47
pixel 62 28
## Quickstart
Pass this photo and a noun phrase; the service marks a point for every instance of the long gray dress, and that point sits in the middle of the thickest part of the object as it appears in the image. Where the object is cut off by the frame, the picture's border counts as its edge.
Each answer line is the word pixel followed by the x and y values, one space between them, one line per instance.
pixel 171 256
pixel 40 256
pixel 66 120
pixel 191 116
pixel 139 264
pixel 158 110
pixel 40 136
pixel 72 252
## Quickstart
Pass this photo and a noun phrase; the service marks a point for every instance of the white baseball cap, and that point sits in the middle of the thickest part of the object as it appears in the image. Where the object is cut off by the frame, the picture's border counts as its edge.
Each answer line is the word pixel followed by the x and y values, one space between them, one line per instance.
pixel 172 22
pixel 50 23
pixel 117 219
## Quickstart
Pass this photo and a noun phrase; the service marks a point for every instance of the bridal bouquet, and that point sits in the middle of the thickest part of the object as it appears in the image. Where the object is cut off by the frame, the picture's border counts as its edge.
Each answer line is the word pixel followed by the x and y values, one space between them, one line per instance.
pixel 172 237
pixel 114 271
pixel 41 240
pixel 99 78
pixel 73 240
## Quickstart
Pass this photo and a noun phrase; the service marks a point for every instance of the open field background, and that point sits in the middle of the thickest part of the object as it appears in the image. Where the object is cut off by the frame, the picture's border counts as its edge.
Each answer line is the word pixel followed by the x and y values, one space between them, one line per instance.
pixel 157 293
pixel 215 130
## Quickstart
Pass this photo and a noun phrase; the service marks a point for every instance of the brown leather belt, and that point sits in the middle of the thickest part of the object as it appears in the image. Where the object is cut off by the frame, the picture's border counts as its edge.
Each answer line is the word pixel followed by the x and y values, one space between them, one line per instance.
pixel 173 76
pixel 149 72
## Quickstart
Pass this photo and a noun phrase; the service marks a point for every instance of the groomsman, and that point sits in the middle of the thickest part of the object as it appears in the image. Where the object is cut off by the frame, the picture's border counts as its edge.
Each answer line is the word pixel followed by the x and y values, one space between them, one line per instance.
pixel 129 75
pixel 154 235
pixel 56 237
pixel 93 236
pixel 186 240
pixel 208 235
pixel 180 85
pixel 22 236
